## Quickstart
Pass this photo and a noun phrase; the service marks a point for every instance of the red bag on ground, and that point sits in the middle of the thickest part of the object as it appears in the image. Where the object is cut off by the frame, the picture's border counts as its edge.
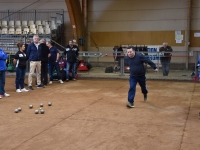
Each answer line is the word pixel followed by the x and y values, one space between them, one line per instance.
pixel 82 67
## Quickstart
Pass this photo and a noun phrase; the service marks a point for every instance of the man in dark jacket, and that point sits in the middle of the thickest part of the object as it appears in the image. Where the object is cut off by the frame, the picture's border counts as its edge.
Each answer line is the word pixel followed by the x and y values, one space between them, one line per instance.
pixel 26 46
pixel 33 54
pixel 165 58
pixel 45 53
pixel 71 53
pixel 53 62
pixel 137 73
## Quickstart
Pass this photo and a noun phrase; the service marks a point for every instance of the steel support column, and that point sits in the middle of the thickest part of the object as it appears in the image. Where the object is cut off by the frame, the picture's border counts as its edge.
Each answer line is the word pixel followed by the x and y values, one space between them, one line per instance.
pixel 187 33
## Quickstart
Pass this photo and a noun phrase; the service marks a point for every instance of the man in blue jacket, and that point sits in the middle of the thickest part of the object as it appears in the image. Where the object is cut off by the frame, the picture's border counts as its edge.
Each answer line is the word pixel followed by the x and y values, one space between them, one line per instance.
pixel 137 73
pixel 33 54
pixel 3 57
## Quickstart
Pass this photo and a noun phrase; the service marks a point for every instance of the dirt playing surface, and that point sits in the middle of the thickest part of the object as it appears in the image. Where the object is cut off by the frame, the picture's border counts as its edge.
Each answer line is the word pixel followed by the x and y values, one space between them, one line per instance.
pixel 92 115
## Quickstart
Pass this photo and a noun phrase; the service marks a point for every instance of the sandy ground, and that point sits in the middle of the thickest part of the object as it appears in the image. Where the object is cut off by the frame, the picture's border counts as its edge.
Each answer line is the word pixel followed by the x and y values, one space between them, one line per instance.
pixel 91 114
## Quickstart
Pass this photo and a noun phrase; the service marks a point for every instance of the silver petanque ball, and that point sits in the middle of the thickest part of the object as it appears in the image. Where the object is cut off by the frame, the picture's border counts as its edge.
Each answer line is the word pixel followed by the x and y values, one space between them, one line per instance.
pixel 49 103
pixel 42 111
pixel 16 111
pixel 36 111
pixel 19 109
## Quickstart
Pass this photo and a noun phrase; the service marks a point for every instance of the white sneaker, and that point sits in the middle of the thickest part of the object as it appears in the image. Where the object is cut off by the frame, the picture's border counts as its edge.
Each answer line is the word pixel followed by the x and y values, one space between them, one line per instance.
pixel 18 91
pixel 61 81
pixel 50 82
pixel 24 90
pixel 6 95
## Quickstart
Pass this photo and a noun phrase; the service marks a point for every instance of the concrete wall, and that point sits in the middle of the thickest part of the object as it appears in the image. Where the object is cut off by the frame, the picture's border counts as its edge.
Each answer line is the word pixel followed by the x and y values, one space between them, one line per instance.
pixel 195 24
pixel 141 15
pixel 195 15
pixel 134 15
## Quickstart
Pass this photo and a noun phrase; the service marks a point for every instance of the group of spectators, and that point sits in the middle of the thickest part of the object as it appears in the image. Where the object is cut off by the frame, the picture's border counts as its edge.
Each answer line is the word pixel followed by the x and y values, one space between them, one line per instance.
pixel 43 58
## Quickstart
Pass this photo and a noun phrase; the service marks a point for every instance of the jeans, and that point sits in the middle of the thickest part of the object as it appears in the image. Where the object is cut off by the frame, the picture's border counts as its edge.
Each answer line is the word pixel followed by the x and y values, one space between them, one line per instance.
pixel 165 68
pixel 20 74
pixel 52 67
pixel 2 82
pixel 133 82
pixel 73 66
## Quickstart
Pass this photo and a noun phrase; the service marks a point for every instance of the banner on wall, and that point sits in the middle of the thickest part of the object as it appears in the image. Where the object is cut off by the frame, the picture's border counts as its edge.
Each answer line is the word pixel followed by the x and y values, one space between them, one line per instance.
pixel 153 53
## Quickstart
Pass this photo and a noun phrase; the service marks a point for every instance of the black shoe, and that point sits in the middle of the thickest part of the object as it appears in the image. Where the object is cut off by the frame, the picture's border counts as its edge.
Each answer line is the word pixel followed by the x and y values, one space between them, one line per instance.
pixel 67 80
pixel 130 105
pixel 145 97
pixel 40 86
pixel 30 88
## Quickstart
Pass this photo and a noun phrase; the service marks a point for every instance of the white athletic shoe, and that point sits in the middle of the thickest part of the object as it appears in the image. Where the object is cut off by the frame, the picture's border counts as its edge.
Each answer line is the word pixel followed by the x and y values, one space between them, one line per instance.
pixel 6 95
pixel 61 81
pixel 50 82
pixel 18 91
pixel 24 90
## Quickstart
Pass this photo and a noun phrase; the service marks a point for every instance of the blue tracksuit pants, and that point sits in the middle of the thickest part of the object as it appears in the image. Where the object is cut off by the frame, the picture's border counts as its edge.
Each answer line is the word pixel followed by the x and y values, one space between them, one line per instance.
pixel 133 82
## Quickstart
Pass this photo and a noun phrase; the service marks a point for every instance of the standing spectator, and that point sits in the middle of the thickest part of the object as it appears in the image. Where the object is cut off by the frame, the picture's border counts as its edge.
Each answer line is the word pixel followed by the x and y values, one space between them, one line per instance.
pixel 53 62
pixel 3 57
pixel 34 56
pixel 137 73
pixel 118 54
pixel 77 61
pixel 71 53
pixel 165 58
pixel 20 62
pixel 26 46
pixel 44 61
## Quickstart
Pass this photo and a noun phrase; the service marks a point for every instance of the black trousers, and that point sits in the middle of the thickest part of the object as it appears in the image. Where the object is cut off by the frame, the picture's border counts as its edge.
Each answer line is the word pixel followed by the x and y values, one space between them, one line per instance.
pixel 44 73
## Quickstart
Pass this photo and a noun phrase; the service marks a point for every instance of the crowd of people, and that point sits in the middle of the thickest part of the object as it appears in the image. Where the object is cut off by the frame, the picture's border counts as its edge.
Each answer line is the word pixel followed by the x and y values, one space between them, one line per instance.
pixel 43 58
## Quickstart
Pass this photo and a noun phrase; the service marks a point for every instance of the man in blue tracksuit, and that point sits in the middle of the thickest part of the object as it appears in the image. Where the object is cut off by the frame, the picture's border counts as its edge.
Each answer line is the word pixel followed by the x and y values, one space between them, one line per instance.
pixel 137 73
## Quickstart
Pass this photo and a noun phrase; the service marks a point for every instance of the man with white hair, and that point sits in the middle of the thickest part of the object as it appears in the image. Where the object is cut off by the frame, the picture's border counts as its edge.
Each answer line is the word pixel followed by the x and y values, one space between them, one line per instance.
pixel 34 56
pixel 166 58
